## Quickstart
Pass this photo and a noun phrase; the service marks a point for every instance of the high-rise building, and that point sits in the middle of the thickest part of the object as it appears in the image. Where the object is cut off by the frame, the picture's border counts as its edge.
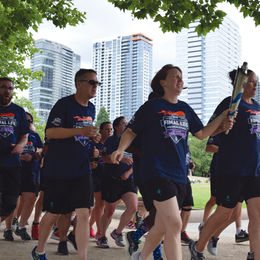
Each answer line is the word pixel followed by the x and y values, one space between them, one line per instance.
pixel 206 61
pixel 59 64
pixel 124 66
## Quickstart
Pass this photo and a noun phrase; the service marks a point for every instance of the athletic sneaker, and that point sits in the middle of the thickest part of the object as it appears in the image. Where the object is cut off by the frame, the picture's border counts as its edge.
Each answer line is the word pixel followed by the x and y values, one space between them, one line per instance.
pixel 8 235
pixel 63 248
pixel 138 220
pixel 92 233
pixel 200 227
pixel 55 234
pixel 250 256
pixel 130 225
pixel 242 236
pixel 35 231
pixel 36 256
pixel 71 238
pixel 118 237
pixel 22 233
pixel 98 235
pixel 136 255
pixel 185 238
pixel 14 224
pixel 132 244
pixel 212 245
pixel 195 255
pixel 102 242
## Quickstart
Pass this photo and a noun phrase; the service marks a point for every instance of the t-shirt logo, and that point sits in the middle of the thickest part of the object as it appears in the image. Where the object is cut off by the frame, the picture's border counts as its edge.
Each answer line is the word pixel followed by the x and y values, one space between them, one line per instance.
pixel 7 124
pixel 175 124
pixel 82 121
pixel 28 148
pixel 254 121
pixel 56 121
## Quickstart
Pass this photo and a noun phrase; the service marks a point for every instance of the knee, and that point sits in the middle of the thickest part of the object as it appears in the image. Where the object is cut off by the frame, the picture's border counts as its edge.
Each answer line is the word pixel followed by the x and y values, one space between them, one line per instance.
pixel 174 225
pixel 109 211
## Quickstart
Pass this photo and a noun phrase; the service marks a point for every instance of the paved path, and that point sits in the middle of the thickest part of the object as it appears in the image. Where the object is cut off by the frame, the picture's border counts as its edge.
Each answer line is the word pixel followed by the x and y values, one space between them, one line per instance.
pixel 228 249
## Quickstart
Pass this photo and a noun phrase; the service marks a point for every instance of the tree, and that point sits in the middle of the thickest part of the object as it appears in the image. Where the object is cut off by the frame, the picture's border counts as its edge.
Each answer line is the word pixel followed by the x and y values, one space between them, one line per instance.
pixel 28 107
pixel 199 156
pixel 175 15
pixel 17 20
pixel 102 116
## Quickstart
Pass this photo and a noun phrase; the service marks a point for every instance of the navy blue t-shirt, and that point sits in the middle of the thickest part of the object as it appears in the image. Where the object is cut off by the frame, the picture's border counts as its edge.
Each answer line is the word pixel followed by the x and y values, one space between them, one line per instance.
pixel 34 142
pixel 239 150
pixel 163 129
pixel 13 125
pixel 98 172
pixel 213 140
pixel 114 170
pixel 69 158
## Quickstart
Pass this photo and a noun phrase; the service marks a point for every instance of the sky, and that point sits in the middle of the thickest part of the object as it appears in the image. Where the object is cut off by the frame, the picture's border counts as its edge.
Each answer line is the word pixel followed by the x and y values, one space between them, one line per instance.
pixel 105 22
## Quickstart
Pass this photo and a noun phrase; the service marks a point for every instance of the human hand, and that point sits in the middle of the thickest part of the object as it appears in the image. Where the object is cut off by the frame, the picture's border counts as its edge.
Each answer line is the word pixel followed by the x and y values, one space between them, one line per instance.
pixel 89 131
pixel 18 148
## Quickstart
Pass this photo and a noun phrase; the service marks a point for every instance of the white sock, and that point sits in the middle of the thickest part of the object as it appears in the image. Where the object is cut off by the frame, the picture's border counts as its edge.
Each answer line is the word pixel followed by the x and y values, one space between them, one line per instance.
pixel 238 230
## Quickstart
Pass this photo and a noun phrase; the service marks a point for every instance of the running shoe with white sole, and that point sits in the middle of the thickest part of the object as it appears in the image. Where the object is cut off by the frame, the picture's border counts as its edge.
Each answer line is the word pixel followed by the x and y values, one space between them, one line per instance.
pixel 195 255
pixel 118 237
pixel 213 245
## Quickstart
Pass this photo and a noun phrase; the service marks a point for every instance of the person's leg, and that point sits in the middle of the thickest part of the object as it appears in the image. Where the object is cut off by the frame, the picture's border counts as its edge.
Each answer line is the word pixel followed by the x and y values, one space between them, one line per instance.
pixel 208 208
pixel 29 199
pixel 38 208
pixel 63 225
pixel 185 216
pixel 98 211
pixel 46 225
pixel 131 201
pixel 82 232
pixel 216 220
pixel 253 206
pixel 107 216
pixel 167 224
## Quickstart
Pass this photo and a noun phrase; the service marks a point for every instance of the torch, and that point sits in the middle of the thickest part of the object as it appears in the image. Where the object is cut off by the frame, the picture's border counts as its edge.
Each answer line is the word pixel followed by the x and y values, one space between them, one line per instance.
pixel 239 83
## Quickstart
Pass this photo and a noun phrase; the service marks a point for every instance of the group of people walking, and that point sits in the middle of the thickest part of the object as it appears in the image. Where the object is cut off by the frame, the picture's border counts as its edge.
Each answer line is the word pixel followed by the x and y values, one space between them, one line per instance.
pixel 82 164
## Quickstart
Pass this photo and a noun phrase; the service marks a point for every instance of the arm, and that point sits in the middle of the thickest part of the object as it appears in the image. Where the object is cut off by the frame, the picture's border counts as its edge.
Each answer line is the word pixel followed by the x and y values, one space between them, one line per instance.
pixel 218 125
pixel 126 140
pixel 63 133
pixel 18 148
pixel 211 148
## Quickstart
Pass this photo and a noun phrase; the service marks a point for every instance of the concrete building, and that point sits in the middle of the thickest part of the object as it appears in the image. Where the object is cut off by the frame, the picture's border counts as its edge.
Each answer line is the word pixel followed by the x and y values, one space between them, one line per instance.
pixel 124 66
pixel 206 61
pixel 59 64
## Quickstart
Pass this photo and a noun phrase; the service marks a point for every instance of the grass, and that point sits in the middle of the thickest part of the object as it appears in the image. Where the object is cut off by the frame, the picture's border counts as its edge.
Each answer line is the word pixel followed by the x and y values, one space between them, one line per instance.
pixel 201 194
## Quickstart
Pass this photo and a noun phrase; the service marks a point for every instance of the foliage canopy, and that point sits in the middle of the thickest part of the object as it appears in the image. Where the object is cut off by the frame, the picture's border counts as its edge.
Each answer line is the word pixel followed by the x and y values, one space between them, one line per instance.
pixel 178 14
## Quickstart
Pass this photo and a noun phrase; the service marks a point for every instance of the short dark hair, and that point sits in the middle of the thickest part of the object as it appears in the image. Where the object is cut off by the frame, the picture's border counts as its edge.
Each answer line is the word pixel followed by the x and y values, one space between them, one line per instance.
pixel 102 125
pixel 6 79
pixel 30 115
pixel 79 74
pixel 232 75
pixel 161 75
pixel 116 122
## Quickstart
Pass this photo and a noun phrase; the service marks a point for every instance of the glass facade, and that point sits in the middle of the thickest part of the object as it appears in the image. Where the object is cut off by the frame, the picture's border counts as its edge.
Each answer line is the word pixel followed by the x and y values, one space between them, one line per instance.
pixel 124 66
pixel 59 64
pixel 206 61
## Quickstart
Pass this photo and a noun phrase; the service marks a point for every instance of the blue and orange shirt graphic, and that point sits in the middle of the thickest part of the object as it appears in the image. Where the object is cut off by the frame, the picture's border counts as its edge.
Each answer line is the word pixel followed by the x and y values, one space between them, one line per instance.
pixel 175 124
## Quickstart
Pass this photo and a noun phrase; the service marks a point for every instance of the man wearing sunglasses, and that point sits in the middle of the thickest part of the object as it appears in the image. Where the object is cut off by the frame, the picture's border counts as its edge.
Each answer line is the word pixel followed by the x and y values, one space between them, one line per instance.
pixel 13 137
pixel 67 180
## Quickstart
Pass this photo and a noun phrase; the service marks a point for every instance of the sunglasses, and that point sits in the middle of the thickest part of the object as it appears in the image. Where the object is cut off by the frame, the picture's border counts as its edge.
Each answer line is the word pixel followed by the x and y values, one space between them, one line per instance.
pixel 4 87
pixel 91 82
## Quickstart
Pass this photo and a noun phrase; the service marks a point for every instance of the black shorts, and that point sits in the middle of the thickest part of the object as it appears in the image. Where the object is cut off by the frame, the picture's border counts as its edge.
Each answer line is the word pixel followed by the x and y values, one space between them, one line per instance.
pixel 96 183
pixel 148 203
pixel 64 196
pixel 41 188
pixel 28 181
pixel 232 189
pixel 113 189
pixel 161 189
pixel 10 185
pixel 188 199
pixel 213 184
